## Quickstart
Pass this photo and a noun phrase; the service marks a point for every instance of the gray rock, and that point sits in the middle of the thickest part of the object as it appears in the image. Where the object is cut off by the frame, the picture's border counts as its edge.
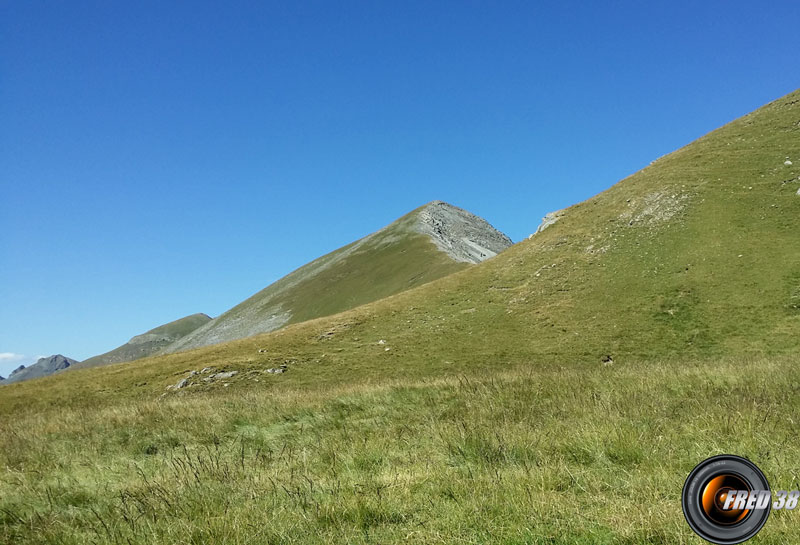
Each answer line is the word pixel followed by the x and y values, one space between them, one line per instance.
pixel 549 219
pixel 42 368
pixel 224 375
pixel 798 191
pixel 181 383
pixel 276 370
pixel 461 234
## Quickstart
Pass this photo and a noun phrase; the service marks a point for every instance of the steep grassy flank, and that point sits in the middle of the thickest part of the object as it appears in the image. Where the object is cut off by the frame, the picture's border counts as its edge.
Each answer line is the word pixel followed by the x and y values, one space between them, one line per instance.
pixel 558 393
pixel 148 343
pixel 396 258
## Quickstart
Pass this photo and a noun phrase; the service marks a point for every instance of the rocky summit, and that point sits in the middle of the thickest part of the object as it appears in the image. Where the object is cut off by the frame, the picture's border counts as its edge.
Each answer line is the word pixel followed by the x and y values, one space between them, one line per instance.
pixel 42 368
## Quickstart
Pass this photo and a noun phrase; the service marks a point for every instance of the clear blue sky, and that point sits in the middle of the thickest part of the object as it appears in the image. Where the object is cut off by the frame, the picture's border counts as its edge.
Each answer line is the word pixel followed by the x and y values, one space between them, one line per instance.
pixel 163 158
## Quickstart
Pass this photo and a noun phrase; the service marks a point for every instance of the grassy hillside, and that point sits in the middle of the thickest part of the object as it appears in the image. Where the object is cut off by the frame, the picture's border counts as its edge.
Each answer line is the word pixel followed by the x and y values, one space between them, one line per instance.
pixel 148 343
pixel 558 393
pixel 396 258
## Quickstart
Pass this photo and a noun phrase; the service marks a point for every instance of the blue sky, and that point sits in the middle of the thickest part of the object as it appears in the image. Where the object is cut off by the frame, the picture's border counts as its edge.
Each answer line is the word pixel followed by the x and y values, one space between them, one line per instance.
pixel 163 158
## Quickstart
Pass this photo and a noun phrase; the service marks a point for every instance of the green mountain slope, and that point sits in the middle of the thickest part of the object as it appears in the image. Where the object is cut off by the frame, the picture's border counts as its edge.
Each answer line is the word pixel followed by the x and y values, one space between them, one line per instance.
pixel 428 243
pixel 694 256
pixel 148 343
pixel 558 393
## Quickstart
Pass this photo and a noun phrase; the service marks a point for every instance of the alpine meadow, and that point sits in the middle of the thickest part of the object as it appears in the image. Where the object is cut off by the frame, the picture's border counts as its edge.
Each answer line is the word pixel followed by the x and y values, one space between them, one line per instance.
pixel 558 392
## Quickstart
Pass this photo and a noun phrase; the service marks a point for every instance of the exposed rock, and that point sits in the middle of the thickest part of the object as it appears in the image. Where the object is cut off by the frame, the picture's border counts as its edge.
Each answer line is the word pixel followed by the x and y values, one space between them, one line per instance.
pixel 461 234
pixel 548 220
pixel 655 208
pixel 224 375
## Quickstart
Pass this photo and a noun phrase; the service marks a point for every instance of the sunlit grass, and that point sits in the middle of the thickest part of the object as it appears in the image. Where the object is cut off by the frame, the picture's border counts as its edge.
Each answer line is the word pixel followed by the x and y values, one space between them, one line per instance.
pixel 561 455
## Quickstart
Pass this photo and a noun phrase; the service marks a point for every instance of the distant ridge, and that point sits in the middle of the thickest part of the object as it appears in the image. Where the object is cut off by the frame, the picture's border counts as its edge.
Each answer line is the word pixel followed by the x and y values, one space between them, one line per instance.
pixel 42 368
pixel 150 342
pixel 428 243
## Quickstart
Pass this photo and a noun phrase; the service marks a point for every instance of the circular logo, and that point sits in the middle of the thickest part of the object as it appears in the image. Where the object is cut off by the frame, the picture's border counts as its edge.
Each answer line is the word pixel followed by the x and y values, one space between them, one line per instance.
pixel 726 499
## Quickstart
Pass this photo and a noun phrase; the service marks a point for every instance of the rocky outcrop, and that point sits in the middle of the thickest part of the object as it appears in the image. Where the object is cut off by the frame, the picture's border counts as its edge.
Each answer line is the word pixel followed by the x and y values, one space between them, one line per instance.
pixel 549 219
pixel 461 234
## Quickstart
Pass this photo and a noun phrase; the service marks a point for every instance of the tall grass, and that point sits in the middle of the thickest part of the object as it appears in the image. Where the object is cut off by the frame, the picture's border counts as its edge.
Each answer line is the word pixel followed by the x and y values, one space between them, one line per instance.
pixel 559 455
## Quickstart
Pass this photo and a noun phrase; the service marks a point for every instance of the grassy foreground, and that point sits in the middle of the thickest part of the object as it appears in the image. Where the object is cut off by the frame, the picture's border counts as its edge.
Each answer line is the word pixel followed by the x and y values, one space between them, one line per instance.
pixel 559 454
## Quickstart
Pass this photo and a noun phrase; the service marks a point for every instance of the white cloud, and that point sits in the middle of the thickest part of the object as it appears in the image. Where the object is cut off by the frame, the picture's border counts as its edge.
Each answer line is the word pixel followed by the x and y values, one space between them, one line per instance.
pixel 10 356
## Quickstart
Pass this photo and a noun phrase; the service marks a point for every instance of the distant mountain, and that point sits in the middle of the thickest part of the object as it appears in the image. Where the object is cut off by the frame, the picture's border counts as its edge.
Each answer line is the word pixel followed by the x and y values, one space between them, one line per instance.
pixel 42 368
pixel 150 342
pixel 428 243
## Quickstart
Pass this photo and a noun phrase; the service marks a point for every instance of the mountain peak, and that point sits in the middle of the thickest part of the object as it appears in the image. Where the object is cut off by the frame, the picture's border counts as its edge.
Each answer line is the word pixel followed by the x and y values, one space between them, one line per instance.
pixel 464 236
pixel 393 259
pixel 43 367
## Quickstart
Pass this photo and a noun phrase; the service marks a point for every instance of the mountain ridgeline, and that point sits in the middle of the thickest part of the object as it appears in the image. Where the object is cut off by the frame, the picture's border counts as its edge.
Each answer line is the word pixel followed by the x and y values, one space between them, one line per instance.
pixel 42 368
pixel 150 342
pixel 428 243
pixel 693 256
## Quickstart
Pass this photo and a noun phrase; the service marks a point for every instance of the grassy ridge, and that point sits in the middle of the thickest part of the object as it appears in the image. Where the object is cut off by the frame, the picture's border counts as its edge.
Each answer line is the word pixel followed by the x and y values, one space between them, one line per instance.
pixel 148 343
pixel 389 261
